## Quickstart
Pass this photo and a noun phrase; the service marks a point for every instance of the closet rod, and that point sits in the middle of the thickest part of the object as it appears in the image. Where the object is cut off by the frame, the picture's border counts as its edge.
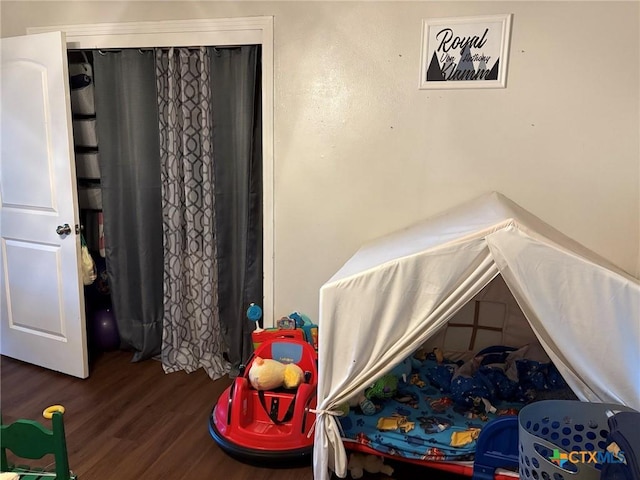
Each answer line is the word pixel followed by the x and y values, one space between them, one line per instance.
pixel 104 51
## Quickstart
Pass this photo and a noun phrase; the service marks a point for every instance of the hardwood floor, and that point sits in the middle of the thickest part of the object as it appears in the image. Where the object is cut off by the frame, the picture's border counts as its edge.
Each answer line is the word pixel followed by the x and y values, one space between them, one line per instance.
pixel 131 421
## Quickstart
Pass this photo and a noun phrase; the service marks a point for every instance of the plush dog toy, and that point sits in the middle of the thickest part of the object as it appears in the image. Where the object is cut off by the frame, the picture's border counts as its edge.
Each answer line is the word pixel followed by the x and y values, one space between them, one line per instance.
pixel 360 463
pixel 268 374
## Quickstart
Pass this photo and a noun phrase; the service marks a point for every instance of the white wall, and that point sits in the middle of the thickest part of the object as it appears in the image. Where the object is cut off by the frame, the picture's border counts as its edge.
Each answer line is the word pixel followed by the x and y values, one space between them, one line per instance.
pixel 360 151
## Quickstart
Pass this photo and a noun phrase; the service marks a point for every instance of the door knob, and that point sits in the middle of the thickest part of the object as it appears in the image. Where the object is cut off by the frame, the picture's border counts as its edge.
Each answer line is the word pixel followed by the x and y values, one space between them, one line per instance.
pixel 63 229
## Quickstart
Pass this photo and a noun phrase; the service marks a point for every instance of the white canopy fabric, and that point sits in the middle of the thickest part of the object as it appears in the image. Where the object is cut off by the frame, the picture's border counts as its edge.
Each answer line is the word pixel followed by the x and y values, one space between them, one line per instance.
pixel 396 292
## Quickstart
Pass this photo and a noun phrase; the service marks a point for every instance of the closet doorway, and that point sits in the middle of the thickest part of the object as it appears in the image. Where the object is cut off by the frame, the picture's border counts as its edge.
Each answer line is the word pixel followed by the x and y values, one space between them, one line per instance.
pixel 220 32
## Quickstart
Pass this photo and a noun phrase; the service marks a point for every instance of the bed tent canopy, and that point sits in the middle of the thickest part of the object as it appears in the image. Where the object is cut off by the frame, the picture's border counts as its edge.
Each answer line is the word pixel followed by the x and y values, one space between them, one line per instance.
pixel 400 290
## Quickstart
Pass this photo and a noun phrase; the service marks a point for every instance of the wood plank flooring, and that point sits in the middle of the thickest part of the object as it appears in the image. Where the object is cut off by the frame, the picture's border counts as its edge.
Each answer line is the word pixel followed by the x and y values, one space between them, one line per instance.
pixel 131 421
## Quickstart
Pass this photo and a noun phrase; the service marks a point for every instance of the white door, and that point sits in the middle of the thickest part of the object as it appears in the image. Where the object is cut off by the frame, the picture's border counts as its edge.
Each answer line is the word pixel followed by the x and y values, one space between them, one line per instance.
pixel 42 304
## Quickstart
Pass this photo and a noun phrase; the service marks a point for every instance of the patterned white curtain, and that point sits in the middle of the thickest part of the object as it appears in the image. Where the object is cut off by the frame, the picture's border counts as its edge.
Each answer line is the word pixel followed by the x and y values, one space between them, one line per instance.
pixel 192 336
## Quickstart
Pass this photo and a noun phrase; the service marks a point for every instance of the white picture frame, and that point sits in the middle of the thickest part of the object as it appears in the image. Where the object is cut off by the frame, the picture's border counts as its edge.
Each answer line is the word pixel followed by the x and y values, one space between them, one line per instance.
pixel 465 52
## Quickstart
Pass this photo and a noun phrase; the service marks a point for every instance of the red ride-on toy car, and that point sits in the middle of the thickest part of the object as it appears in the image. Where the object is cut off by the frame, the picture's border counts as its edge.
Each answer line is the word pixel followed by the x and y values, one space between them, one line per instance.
pixel 269 426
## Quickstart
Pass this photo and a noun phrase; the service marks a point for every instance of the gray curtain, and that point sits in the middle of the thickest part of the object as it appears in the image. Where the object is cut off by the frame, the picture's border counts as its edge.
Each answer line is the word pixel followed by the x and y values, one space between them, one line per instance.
pixel 129 138
pixel 237 140
pixel 192 335
pixel 127 129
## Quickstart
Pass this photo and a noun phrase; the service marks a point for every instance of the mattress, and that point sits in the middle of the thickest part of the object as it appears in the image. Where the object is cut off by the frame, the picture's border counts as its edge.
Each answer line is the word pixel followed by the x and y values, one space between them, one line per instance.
pixel 427 419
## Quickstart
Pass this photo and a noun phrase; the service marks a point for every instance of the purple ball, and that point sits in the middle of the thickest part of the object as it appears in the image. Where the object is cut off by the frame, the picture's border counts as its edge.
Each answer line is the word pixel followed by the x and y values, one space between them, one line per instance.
pixel 104 330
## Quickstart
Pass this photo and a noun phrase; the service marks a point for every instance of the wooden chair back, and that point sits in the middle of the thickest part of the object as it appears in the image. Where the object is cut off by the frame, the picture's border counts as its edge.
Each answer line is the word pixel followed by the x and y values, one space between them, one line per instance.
pixel 29 439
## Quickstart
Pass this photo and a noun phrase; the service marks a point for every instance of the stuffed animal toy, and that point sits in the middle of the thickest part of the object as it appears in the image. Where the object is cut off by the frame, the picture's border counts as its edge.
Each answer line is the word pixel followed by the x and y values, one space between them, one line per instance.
pixel 385 387
pixel 366 406
pixel 268 374
pixel 403 370
pixel 293 376
pixel 360 463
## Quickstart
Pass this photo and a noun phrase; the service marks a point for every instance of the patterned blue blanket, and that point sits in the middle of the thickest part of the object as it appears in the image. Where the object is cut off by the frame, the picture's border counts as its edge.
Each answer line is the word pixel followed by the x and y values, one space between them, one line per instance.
pixel 436 416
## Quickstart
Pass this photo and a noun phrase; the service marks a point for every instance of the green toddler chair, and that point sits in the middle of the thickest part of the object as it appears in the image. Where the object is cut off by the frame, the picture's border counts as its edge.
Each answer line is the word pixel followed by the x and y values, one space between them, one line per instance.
pixel 29 439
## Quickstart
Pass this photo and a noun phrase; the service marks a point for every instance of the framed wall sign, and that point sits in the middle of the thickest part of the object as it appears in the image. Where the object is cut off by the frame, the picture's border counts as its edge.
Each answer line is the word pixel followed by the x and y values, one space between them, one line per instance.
pixel 465 52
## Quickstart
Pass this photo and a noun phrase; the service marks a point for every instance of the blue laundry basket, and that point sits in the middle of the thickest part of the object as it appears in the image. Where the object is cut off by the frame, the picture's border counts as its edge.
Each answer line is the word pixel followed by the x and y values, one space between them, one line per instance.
pixel 564 439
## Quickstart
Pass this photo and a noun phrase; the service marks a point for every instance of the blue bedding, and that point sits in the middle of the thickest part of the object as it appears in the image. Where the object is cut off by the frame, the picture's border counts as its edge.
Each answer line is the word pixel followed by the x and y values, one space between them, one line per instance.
pixel 436 416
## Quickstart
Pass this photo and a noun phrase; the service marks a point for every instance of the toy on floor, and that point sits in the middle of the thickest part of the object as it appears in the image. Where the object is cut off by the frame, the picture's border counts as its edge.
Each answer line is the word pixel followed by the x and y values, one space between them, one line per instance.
pixel 360 463
pixel 103 330
pixel 258 422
